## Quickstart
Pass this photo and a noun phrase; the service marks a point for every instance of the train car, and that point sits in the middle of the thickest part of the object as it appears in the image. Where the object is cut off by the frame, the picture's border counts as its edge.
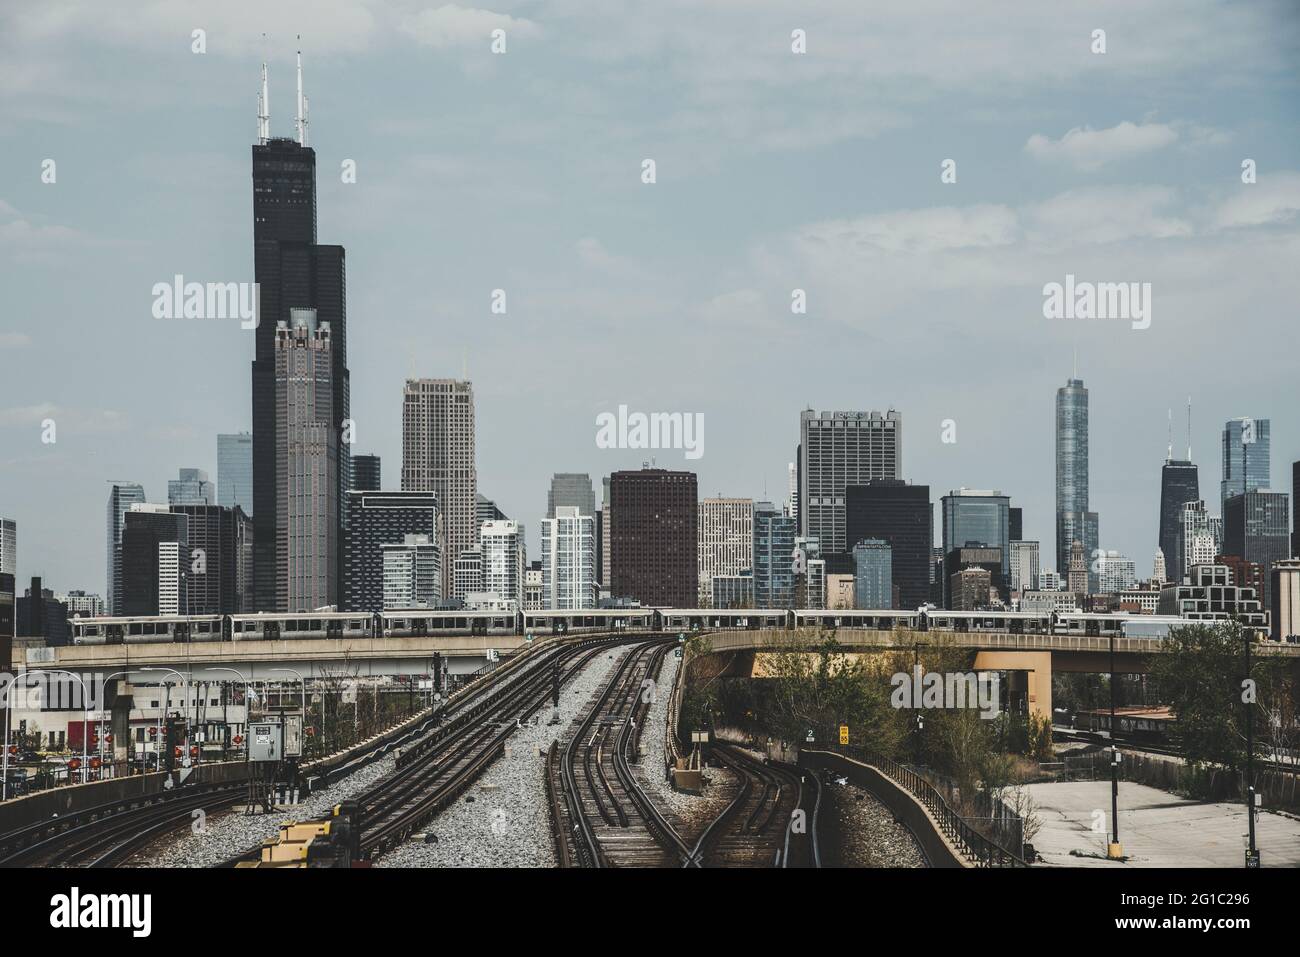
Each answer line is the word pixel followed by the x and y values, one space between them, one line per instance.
pixel 1011 622
pixel 288 626
pixel 1137 725
pixel 881 619
pixel 1116 624
pixel 555 621
pixel 683 620
pixel 145 629
pixel 423 623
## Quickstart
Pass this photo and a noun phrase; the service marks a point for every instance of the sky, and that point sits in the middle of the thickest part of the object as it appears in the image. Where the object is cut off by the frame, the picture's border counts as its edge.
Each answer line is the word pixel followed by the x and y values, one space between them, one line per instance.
pixel 775 171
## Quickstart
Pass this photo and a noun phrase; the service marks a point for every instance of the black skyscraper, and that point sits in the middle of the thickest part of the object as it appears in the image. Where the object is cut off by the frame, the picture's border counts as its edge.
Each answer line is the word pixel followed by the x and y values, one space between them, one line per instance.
pixel 292 271
pixel 365 473
pixel 1015 524
pixel 1295 507
pixel 1178 486
pixel 375 519
pixel 902 515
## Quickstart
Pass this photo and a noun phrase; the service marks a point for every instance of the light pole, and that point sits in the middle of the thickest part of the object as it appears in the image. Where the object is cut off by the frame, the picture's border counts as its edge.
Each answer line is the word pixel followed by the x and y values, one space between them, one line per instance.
pixel 185 710
pixel 1115 850
pixel 1252 855
pixel 241 677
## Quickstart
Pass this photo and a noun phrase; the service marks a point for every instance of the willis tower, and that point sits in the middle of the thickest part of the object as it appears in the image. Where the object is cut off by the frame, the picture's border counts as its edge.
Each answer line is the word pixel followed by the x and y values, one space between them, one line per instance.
pixel 293 272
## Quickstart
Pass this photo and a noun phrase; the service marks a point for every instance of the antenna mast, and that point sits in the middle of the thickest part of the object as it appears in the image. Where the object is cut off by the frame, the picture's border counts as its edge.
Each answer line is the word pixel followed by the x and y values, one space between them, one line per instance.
pixel 1189 428
pixel 300 124
pixel 264 110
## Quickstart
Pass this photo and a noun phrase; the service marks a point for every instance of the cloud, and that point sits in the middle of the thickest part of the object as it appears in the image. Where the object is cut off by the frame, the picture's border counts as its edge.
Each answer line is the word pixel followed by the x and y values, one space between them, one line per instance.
pixel 14 340
pixel 1088 149
pixel 1273 199
pixel 1105 214
pixel 454 26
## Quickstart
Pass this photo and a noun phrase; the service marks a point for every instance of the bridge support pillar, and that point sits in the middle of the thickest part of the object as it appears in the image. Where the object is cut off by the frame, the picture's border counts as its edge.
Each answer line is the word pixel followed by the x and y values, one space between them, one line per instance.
pixel 1037 666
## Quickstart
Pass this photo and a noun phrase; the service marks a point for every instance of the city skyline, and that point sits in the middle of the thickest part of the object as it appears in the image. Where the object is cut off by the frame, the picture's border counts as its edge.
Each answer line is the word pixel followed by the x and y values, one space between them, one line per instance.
pixel 1176 214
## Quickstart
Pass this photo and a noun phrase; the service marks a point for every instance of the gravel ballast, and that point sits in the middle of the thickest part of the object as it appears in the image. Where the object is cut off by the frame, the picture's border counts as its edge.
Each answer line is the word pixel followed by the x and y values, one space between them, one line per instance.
pixel 862 832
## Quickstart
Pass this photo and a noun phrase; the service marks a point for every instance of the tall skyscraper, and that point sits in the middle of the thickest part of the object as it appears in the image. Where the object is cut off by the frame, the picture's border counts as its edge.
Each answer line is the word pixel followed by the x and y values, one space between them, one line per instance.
pixel 571 490
pixel 365 474
pixel 1016 524
pixel 902 516
pixel 307 506
pixel 191 488
pixel 792 505
pixel 1256 528
pixel 654 537
pixel 293 272
pixel 1024 566
pixel 8 610
pixel 1073 520
pixel 836 450
pixel 503 560
pixel 978 517
pixel 1246 458
pixel 486 510
pixel 726 539
pixel 121 496
pixel 235 471
pixel 1178 486
pixel 438 457
pixel 8 546
pixel 155 561
pixel 569 559
pixel 376 519
pixel 774 559
pixel 1199 541
pixel 873 575
pixel 602 545
pixel 1115 573
pixel 219 560
pixel 1295 508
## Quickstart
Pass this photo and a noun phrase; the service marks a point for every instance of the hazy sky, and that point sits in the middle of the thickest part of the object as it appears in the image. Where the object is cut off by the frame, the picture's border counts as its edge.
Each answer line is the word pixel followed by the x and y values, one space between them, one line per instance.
pixel 775 171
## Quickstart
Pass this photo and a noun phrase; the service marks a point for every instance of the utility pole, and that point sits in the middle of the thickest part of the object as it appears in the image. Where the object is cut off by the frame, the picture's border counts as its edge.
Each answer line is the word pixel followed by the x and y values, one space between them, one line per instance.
pixel 1115 851
pixel 1252 854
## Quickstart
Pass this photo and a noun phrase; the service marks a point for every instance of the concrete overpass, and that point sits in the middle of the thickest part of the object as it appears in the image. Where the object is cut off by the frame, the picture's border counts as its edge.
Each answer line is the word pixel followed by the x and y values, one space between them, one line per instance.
pixel 1036 656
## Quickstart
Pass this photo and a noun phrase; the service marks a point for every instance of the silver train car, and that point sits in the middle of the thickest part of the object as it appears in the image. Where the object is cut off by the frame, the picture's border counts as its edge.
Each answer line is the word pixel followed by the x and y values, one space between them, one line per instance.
pixel 294 626
pixel 565 622
pixel 145 630
pixel 422 623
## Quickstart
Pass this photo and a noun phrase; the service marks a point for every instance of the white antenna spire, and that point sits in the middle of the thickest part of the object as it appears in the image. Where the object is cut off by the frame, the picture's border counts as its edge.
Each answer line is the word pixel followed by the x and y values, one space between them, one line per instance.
pixel 306 104
pixel 1169 456
pixel 264 109
pixel 299 123
pixel 1189 428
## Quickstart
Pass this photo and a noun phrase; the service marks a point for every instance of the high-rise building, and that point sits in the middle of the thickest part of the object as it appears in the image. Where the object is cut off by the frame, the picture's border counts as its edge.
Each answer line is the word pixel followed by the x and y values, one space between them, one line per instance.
pixel 1078 574
pixel 468 577
pixel 1016 523
pixel 503 560
pixel 1256 527
pixel 486 510
pixel 1295 500
pixel 1159 570
pixel 978 517
pixel 1284 588
pixel 219 559
pixel 376 519
pixel 731 591
pixel 8 546
pixel 81 604
pixel 873 576
pixel 191 488
pixel 293 272
pixel 971 589
pixel 155 562
pixel 8 611
pixel 774 562
pixel 365 474
pixel 1115 573
pixel 307 506
pixel 1209 595
pixel 654 537
pixel 569 559
pixel 438 456
pixel 1197 543
pixel 1025 566
pixel 121 496
pixel 836 450
pixel 1073 520
pixel 571 490
pixel 726 528
pixel 903 516
pixel 602 545
pixel 38 614
pixel 792 503
pixel 1179 485
pixel 412 573
pixel 235 471
pixel 1246 458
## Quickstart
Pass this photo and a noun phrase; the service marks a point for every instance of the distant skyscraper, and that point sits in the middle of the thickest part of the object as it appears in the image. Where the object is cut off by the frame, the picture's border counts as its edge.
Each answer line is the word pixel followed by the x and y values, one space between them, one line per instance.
pixel 366 473
pixel 836 450
pixel 793 501
pixel 235 471
pixel 219 560
pixel 1246 458
pixel 569 559
pixel 468 577
pixel 412 573
pixel 873 575
pixel 503 560
pixel 1115 573
pixel 1025 568
pixel 1078 569
pixel 901 515
pixel 1256 527
pixel 1198 541
pixel 1073 520
pixel 602 543
pixel 1016 524
pixel 79 603
pixel 38 614
pixel 732 591
pixel 1178 486
pixel 192 488
pixel 307 507
pixel 726 539
pixel 121 496
pixel 978 517
pixel 654 537
pixel 571 490
pixel 8 546
pixel 774 570
pixel 293 273
pixel 438 456
pixel 155 562
pixel 376 519
pixel 8 620
pixel 1295 506
pixel 1159 568
pixel 486 510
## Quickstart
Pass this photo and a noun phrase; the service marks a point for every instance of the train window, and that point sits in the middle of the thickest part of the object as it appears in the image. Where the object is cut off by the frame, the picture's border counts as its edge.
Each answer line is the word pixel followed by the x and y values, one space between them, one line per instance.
pixel 315 624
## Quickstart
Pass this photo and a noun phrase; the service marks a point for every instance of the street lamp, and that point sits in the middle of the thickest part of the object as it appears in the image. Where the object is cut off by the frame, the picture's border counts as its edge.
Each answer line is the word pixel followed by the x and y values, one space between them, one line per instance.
pixel 1252 854
pixel 185 686
pixel 246 681
pixel 1115 850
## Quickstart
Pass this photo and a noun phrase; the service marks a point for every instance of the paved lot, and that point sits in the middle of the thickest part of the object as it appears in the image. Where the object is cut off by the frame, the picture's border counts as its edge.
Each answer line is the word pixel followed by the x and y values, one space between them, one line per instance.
pixel 1157 829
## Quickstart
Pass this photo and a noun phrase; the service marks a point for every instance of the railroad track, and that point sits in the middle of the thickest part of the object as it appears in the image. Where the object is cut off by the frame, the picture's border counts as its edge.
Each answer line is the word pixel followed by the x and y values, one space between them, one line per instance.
pixel 110 835
pixel 758 828
pixel 602 816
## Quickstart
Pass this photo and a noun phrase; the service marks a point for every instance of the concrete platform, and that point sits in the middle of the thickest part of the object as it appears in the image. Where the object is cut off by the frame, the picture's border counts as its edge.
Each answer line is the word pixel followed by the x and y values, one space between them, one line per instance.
pixel 1156 828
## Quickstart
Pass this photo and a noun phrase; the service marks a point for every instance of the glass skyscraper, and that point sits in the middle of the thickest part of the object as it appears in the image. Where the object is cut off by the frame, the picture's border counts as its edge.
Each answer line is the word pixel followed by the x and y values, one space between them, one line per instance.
pixel 235 471
pixel 873 577
pixel 121 496
pixel 973 517
pixel 774 534
pixel 1073 520
pixel 1246 458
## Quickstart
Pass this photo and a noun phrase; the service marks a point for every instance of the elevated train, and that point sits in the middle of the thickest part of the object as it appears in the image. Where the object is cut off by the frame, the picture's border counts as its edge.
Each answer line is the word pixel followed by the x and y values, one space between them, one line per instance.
pixel 419 623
